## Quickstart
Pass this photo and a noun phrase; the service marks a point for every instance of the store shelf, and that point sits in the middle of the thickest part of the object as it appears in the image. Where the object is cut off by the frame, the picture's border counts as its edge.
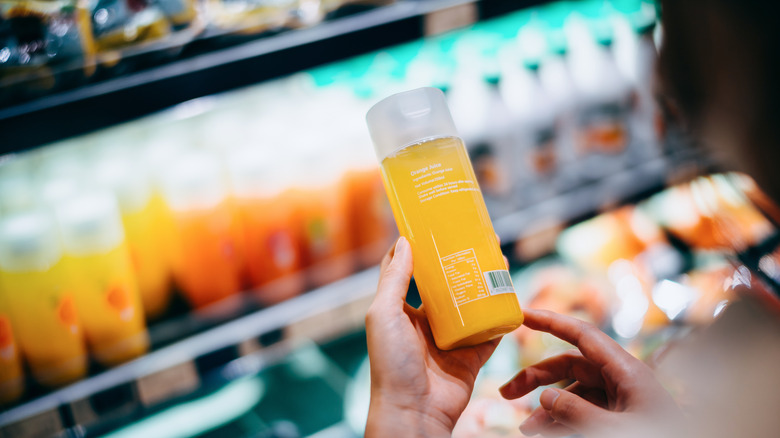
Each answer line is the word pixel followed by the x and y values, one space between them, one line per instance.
pixel 128 97
pixel 177 370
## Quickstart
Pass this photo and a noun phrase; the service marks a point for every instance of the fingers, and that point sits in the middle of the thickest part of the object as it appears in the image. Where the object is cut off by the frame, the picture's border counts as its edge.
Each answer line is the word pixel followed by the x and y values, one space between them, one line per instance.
pixel 569 365
pixel 592 342
pixel 394 280
pixel 573 412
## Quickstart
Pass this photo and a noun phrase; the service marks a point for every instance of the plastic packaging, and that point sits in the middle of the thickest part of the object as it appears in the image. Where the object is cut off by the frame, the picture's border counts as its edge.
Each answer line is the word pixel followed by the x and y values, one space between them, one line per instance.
pixel 270 232
pixel 102 277
pixel 11 373
pixel 143 218
pixel 34 284
pixel 207 253
pixel 460 272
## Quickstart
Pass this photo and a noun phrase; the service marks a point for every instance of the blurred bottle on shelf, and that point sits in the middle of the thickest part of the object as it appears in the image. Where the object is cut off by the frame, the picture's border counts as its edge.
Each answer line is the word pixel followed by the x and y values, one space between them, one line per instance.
pixel 323 212
pixel 35 285
pixel 101 277
pixel 250 16
pixel 268 217
pixel 605 96
pixel 143 217
pixel 11 372
pixel 207 257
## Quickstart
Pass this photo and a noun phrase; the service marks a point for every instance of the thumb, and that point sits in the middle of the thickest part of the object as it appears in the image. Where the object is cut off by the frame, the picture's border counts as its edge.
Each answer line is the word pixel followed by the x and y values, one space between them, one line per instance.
pixel 395 277
pixel 573 411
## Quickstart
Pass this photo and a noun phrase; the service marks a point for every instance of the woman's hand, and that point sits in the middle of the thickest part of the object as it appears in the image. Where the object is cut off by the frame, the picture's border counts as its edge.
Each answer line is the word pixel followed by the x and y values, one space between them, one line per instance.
pixel 416 389
pixel 613 394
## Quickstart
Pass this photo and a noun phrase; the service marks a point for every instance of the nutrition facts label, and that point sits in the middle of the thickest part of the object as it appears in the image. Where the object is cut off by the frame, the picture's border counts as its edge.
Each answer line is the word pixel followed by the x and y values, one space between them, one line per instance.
pixel 464 276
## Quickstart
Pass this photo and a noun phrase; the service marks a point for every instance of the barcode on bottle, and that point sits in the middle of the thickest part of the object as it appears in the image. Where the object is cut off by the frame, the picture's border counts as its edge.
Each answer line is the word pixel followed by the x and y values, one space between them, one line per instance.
pixel 499 282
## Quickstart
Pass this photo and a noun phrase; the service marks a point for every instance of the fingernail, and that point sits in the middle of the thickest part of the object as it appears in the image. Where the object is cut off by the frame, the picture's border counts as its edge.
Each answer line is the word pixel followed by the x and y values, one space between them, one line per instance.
pixel 401 247
pixel 548 397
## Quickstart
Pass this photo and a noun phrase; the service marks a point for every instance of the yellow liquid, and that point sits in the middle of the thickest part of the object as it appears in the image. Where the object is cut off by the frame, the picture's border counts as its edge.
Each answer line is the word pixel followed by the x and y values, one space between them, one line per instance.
pixel 11 376
pixel 46 324
pixel 146 232
pixel 109 305
pixel 439 208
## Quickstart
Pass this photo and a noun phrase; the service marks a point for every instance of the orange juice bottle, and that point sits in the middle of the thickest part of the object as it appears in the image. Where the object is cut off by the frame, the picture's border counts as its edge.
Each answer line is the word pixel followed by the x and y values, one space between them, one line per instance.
pixel 323 211
pixel 267 214
pixel 102 278
pixel 145 228
pixel 35 287
pixel 11 374
pixel 206 243
pixel 460 272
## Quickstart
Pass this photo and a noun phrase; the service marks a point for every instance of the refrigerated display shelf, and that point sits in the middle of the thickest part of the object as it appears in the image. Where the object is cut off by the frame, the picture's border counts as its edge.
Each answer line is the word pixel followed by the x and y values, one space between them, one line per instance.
pixel 125 98
pixel 177 369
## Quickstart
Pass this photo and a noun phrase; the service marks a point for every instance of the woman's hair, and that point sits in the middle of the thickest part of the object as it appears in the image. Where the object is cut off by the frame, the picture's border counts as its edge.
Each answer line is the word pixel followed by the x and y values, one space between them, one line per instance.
pixel 720 67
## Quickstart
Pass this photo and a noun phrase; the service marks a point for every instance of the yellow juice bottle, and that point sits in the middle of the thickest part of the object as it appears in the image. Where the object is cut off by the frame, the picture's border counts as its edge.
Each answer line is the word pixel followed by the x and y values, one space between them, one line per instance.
pixel 11 374
pixel 458 266
pixel 145 227
pixel 102 278
pixel 34 285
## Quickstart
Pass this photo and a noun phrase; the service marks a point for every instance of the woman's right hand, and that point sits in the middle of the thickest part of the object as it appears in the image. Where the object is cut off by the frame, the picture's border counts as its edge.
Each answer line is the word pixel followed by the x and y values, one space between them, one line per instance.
pixel 613 394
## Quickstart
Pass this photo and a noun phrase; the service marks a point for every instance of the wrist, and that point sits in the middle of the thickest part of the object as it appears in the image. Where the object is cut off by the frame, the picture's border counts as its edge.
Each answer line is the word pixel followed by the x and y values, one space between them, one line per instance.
pixel 388 418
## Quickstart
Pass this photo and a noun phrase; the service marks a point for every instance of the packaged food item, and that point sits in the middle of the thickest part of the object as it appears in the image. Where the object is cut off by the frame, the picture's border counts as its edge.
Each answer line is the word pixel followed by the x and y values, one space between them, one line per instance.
pixel 118 24
pixel 44 45
pixel 101 277
pixel 143 217
pixel 207 257
pixel 271 234
pixel 11 373
pixel 35 285
pixel 250 16
pixel 458 265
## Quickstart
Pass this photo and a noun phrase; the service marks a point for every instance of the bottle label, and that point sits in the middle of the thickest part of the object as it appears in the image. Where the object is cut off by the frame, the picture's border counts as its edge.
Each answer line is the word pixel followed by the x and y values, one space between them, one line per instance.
pixel 467 282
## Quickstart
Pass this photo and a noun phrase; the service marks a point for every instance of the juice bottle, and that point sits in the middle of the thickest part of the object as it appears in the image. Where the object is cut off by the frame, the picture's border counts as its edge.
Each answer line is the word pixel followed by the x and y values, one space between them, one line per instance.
pixel 323 209
pixel 270 232
pixel 144 223
pixel 11 374
pixel 34 285
pixel 206 243
pixel 463 281
pixel 102 278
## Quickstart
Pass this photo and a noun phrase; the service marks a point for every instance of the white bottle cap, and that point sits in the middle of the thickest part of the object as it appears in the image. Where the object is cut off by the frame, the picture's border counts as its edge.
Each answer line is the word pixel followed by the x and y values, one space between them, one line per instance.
pixel 408 118
pixel 194 182
pixel 28 242
pixel 90 223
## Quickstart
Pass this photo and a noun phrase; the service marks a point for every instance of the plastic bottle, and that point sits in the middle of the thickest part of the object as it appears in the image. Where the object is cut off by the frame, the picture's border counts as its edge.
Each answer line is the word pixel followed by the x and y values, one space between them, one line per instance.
pixel 267 212
pixel 207 247
pixel 463 281
pixel 102 278
pixel 11 373
pixel 35 285
pixel 143 217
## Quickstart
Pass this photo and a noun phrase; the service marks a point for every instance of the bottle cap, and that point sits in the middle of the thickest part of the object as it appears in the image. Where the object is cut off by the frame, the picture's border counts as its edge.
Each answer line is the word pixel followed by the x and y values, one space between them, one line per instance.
pixel 90 223
pixel 28 242
pixel 407 118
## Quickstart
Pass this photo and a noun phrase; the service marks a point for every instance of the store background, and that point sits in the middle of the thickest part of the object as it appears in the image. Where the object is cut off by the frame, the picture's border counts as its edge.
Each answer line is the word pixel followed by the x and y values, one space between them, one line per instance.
pixel 191 214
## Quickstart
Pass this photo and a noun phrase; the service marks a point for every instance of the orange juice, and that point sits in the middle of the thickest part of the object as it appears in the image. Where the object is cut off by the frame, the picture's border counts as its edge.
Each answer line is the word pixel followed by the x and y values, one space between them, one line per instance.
pixel 272 252
pixel 145 231
pixel 102 278
pixel 271 233
pixel 34 286
pixel 326 242
pixel 207 261
pixel 207 251
pixel 145 226
pixel 11 375
pixel 368 215
pixel 460 272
